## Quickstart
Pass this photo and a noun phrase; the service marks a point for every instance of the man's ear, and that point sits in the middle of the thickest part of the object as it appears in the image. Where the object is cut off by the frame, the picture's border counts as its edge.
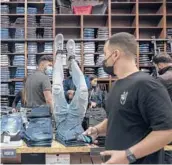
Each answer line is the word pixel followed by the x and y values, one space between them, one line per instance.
pixel 116 54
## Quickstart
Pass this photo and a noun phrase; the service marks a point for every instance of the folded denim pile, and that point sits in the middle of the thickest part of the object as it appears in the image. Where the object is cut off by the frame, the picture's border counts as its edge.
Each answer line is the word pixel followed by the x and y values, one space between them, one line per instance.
pixel 31 21
pixel 19 22
pixel 31 64
pixel 89 33
pixel 4 48
pixel 39 131
pixel 48 47
pixel 169 32
pixel 4 103
pixel 89 71
pixel 103 33
pixel 4 89
pixel 4 60
pixel 20 72
pixel 48 9
pixel 18 87
pixel 5 9
pixel 48 33
pixel 19 10
pixel 89 50
pixel 102 73
pixel 5 74
pixel 144 48
pixel 32 10
pixel 19 47
pixel 4 33
pixel 19 60
pixel 46 21
pixel 32 48
pixel 5 22
pixel 144 59
pixel 31 33
pixel 78 52
pixel 100 59
pixel 19 33
pixel 160 46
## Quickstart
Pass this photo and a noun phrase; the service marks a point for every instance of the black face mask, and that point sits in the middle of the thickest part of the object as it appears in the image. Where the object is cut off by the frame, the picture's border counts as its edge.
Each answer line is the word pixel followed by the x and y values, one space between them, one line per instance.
pixel 108 69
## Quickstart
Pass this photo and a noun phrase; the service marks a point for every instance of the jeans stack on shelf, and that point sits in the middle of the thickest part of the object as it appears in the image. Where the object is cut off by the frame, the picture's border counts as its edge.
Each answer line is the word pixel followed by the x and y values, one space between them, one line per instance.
pixel 48 33
pixel 19 60
pixel 32 48
pixel 4 60
pixel 4 9
pixel 100 59
pixel 46 21
pixel 31 20
pixel 89 50
pixel 19 47
pixel 4 48
pixel 89 33
pixel 5 74
pixel 19 33
pixel 144 60
pixel 78 52
pixel 19 22
pixel 103 33
pixel 89 71
pixel 4 33
pixel 32 10
pixel 160 46
pixel 18 87
pixel 31 33
pixel 48 47
pixel 4 89
pixel 102 73
pixel 5 22
pixel 20 72
pixel 48 9
pixel 20 10
pixel 169 32
pixel 31 64
pixel 144 48
pixel 4 105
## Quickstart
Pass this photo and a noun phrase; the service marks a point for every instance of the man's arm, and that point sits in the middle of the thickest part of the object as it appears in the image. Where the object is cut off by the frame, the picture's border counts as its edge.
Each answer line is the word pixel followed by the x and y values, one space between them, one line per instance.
pixel 16 99
pixel 49 99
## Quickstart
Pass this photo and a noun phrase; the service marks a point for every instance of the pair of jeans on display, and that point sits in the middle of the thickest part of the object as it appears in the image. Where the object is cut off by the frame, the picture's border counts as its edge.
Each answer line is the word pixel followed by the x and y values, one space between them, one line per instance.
pixel 32 10
pixel 5 20
pixel 48 32
pixel 4 9
pixel 39 131
pixel 20 72
pixel 48 9
pixel 103 33
pixel 31 20
pixel 4 60
pixel 19 60
pixel 46 21
pixel 89 33
pixel 32 47
pixel 89 50
pixel 19 33
pixel 4 89
pixel 20 10
pixel 19 22
pixel 5 74
pixel 48 47
pixel 69 117
pixel 19 47
pixel 4 33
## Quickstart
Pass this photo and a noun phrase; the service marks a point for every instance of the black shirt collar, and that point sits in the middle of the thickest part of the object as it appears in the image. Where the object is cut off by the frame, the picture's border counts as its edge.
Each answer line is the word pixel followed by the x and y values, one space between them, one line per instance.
pixel 162 71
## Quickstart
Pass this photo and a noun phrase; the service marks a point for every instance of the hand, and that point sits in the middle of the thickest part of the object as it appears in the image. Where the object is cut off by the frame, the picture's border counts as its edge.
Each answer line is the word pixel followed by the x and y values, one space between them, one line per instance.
pixel 93 105
pixel 14 110
pixel 116 157
pixel 70 94
pixel 93 132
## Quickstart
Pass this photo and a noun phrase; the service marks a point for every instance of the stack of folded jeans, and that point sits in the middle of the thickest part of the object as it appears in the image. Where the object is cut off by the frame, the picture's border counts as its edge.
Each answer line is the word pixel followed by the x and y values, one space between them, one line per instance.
pixel 4 33
pixel 5 74
pixel 19 60
pixel 31 64
pixel 89 33
pixel 32 10
pixel 48 9
pixel 31 21
pixel 32 48
pixel 4 9
pixel 20 72
pixel 160 46
pixel 78 52
pixel 46 21
pixel 18 87
pixel 144 48
pixel 100 59
pixel 100 48
pixel 19 47
pixel 89 71
pixel 169 32
pixel 4 60
pixel 102 73
pixel 31 33
pixel 89 50
pixel 48 47
pixel 19 22
pixel 39 131
pixel 4 48
pixel 20 10
pixel 4 102
pixel 144 59
pixel 4 89
pixel 48 33
pixel 19 33
pixel 103 33
pixel 5 21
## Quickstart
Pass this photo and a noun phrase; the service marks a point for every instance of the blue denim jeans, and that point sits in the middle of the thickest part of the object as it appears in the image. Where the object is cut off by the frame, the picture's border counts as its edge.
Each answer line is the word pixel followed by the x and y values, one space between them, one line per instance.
pixel 69 117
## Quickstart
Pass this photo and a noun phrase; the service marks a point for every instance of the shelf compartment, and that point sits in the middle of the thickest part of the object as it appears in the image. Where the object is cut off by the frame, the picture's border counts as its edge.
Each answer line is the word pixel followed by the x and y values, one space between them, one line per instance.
pixel 169 21
pixel 150 8
pixel 68 20
pixel 96 20
pixel 169 8
pixel 122 21
pixel 123 7
pixel 150 21
pixel 128 30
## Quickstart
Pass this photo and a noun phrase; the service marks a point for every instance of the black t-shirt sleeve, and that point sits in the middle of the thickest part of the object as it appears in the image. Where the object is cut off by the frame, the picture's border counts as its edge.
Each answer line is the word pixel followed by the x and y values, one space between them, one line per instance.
pixel 155 106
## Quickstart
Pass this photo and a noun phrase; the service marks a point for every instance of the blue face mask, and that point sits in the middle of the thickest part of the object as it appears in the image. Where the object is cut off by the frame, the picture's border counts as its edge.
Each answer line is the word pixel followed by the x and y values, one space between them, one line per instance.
pixel 49 70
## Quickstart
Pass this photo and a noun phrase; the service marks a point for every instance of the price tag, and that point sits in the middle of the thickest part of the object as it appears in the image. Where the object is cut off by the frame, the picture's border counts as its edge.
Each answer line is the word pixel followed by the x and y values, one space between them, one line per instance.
pixel 8 153
pixel 7 139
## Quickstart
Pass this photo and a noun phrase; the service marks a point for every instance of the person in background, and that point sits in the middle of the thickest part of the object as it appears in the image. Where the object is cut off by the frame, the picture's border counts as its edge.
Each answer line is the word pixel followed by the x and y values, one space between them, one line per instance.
pixel 38 85
pixel 69 87
pixel 139 109
pixel 163 63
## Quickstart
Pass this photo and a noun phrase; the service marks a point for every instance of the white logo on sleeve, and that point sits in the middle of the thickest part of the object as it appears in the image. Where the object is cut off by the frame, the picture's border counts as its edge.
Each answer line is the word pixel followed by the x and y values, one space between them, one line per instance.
pixel 123 97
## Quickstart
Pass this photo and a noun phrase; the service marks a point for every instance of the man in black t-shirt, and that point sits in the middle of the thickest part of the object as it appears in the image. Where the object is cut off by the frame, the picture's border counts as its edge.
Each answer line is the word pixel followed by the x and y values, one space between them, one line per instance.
pixel 139 109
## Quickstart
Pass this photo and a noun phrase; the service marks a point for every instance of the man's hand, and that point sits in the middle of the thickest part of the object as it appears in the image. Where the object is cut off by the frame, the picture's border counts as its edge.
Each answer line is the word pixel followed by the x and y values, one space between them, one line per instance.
pixel 93 132
pixel 116 157
pixel 93 105
pixel 70 94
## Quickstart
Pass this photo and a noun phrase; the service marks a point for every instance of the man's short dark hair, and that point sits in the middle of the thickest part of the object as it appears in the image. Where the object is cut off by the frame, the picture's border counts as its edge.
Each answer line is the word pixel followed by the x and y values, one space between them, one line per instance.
pixel 46 58
pixel 125 41
pixel 92 77
pixel 162 58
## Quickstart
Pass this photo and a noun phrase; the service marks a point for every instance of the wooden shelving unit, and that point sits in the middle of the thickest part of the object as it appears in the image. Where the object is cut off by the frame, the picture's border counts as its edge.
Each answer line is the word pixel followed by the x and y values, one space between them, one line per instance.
pixel 142 18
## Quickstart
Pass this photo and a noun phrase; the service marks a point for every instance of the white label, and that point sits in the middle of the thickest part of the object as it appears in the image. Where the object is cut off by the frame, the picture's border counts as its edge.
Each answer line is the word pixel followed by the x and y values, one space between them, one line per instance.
pixel 31 67
pixel 7 139
pixel 58 159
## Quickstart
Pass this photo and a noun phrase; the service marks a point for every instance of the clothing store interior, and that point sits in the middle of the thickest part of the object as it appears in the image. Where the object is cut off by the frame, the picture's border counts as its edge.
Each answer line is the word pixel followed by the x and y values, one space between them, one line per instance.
pixel 86 81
